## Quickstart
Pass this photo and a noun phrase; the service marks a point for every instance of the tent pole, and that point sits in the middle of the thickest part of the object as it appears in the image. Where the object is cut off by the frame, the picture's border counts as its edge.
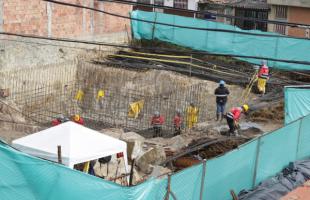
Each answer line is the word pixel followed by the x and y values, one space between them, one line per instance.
pixel 59 154
pixel 131 172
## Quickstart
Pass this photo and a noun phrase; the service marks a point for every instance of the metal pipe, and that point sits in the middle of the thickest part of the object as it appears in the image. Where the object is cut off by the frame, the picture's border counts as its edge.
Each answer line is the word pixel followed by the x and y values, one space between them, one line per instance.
pixel 59 154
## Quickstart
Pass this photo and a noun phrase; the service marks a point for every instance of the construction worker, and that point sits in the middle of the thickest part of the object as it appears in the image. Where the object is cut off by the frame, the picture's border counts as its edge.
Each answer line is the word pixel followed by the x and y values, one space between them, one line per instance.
pixel 59 120
pixel 79 95
pixel 263 76
pixel 191 115
pixel 177 121
pixel 157 123
pixel 221 94
pixel 99 98
pixel 233 117
pixel 78 119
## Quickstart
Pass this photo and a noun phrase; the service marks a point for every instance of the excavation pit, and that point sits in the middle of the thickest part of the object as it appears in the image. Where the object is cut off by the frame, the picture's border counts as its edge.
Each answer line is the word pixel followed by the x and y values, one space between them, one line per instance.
pixel 42 98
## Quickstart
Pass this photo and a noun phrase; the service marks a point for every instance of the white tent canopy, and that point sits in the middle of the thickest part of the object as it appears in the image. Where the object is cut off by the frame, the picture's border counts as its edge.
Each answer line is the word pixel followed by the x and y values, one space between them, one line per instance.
pixel 78 144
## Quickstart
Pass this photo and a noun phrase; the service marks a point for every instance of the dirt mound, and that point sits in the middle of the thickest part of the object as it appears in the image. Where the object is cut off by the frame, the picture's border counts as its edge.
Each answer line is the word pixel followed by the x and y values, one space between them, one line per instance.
pixel 274 113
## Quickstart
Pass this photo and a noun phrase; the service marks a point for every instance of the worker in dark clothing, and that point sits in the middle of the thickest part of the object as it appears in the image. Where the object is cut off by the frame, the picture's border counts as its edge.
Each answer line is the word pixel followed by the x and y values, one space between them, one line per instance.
pixel 221 94
pixel 157 123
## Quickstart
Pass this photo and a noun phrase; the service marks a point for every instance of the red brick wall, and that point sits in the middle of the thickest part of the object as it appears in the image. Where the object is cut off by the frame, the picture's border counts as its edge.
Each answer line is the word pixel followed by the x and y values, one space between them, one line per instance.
pixel 68 21
pixel 30 17
pixel 298 15
pixel 113 24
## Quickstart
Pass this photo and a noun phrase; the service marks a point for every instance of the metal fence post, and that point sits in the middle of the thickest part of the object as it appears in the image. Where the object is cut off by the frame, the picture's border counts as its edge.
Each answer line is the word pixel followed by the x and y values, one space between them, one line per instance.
pixel 256 160
pixel 59 154
pixel 169 190
pixel 298 139
pixel 203 178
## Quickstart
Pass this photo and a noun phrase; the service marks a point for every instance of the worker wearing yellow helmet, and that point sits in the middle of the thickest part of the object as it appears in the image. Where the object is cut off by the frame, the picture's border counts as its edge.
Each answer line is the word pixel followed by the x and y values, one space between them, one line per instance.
pixel 78 119
pixel 233 117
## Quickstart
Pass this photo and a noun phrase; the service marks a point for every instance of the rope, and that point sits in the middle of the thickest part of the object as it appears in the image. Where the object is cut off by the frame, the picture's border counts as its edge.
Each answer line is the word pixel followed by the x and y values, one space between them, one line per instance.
pixel 159 55
pixel 247 90
pixel 188 57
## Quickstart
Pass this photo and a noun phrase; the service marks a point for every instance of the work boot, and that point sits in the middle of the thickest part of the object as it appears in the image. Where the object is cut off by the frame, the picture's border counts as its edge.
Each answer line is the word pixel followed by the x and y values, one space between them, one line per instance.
pixel 217 117
pixel 223 116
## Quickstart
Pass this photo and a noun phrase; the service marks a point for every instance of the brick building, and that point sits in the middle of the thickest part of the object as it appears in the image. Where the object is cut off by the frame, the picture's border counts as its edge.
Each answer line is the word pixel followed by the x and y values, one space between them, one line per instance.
pixel 296 11
pixel 46 19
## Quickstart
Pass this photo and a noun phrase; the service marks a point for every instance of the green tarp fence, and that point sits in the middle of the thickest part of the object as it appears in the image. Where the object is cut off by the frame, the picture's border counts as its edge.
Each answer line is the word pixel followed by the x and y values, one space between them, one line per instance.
pixel 297 102
pixel 222 42
pixel 23 177
pixel 28 178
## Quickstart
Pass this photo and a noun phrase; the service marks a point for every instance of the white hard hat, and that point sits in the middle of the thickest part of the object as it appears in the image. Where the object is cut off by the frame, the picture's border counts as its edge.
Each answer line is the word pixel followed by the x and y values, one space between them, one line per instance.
pixel 264 62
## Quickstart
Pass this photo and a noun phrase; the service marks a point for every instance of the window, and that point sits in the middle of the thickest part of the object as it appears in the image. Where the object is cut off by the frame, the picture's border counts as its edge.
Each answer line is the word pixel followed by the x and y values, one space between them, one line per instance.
pixel 159 2
pixel 281 15
pixel 180 4
pixel 280 29
pixel 281 12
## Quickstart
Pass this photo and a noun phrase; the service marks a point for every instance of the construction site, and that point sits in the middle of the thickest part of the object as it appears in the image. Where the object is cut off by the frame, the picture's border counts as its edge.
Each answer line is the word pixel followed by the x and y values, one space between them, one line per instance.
pixel 118 88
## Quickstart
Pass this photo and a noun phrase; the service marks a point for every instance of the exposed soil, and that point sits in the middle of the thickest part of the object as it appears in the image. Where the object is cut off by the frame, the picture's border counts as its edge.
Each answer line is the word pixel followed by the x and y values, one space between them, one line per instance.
pixel 270 113
pixel 221 148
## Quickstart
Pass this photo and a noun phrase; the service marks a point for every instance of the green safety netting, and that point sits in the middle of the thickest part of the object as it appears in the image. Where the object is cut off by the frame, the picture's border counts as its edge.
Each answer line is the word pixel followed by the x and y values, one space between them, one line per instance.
pixel 23 177
pixel 234 170
pixel 276 150
pixel 222 42
pixel 26 177
pixel 297 102
pixel 303 139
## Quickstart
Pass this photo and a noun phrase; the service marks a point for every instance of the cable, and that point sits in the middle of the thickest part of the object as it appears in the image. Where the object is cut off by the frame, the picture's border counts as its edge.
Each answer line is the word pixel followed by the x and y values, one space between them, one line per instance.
pixel 46 44
pixel 294 25
pixel 182 57
pixel 275 80
pixel 152 48
pixel 175 62
pixel 178 26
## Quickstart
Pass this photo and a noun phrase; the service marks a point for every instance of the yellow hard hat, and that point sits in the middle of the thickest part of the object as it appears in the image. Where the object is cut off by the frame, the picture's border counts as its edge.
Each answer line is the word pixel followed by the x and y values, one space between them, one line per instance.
pixel 76 117
pixel 245 107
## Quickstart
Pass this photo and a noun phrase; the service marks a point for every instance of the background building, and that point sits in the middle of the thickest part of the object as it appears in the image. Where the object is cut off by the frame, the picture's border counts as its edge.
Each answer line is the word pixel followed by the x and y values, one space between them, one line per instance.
pixel 296 11
pixel 241 8
pixel 183 4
